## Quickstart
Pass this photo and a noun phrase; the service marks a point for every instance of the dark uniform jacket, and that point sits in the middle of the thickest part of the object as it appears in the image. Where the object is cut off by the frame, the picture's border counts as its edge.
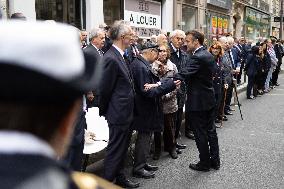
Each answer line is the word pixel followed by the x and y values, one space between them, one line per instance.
pixel 33 172
pixel 218 77
pixel 148 103
pixel 180 62
pixel 199 74
pixel 116 90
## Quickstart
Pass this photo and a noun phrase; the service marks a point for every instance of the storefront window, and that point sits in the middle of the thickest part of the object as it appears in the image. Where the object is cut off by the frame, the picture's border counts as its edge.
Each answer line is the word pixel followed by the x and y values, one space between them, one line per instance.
pixel 112 11
pixel 188 18
pixel 66 11
pixel 257 24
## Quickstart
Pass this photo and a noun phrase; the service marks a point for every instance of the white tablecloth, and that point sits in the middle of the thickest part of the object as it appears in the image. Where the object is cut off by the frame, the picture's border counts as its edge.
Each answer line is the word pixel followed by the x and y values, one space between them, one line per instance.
pixel 99 126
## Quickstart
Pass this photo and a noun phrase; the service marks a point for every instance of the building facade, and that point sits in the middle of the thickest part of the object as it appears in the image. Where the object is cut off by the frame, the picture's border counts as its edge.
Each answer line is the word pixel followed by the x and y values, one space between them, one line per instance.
pixel 252 19
pixel 275 12
pixel 148 17
pixel 218 18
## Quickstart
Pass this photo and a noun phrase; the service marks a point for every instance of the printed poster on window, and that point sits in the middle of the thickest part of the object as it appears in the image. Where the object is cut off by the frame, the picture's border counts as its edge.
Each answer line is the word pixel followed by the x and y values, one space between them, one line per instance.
pixel 214 24
pixel 225 25
pixel 220 25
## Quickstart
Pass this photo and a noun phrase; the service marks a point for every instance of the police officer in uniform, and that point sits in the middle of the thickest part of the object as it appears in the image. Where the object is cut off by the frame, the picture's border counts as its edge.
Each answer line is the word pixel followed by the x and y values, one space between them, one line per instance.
pixel 42 83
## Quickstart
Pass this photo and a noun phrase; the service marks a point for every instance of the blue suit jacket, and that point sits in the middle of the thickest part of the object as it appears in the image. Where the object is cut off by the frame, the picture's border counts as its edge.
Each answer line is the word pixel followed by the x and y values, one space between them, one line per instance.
pixel 116 90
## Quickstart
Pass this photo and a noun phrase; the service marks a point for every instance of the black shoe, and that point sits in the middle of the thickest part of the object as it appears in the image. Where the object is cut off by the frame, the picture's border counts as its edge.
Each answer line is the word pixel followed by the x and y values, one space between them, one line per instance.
pixel 156 156
pixel 231 110
pixel 217 126
pixel 217 121
pixel 142 173
pixel 215 165
pixel 199 167
pixel 277 84
pixel 225 118
pixel 190 136
pixel 173 154
pixel 181 146
pixel 178 151
pixel 125 183
pixel 228 113
pixel 149 167
pixel 251 97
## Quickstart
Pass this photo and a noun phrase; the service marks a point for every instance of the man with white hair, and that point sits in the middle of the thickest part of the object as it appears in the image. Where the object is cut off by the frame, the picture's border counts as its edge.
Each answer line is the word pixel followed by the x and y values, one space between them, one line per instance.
pixel 93 53
pixel 179 58
pixel 162 39
pixel 117 92
pixel 227 73
pixel 236 64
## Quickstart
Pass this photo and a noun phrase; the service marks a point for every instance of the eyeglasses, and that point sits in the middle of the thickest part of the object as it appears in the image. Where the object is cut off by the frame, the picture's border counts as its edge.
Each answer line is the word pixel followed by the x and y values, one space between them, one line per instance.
pixel 160 50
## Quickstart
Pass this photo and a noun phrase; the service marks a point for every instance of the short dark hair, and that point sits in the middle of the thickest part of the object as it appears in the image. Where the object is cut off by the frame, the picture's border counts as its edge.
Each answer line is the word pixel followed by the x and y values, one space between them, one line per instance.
pixel 39 120
pixel 18 15
pixel 196 35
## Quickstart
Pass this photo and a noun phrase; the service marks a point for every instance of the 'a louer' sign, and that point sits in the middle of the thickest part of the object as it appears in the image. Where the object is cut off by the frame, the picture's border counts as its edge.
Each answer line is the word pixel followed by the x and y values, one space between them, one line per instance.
pixel 144 15
pixel 138 19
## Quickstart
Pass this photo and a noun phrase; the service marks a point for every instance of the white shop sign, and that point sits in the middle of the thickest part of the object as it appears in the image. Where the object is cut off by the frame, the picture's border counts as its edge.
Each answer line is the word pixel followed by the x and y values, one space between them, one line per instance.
pixel 138 19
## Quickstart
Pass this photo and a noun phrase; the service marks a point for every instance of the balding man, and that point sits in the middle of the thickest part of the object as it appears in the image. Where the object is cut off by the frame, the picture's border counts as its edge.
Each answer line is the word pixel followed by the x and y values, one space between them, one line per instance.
pixel 162 39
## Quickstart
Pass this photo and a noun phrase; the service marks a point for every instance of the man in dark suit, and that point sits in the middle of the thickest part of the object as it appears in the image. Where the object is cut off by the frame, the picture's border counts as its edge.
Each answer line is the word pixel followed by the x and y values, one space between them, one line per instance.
pixel 279 51
pixel 201 101
pixel 117 92
pixel 93 54
pixel 178 57
pixel 149 116
pixel 39 103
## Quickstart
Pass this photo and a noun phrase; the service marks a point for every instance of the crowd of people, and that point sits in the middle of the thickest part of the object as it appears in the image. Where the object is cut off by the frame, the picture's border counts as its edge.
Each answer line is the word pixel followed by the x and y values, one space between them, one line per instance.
pixel 145 94
pixel 147 87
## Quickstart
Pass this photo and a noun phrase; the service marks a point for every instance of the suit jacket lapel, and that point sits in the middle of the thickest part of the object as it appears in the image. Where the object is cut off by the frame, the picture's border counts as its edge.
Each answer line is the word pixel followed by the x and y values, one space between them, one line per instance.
pixel 124 66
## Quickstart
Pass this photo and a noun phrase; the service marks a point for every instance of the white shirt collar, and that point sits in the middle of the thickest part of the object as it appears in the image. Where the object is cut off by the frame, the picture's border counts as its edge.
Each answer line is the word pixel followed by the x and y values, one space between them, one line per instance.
pixel 175 49
pixel 12 142
pixel 119 49
pixel 95 46
pixel 197 50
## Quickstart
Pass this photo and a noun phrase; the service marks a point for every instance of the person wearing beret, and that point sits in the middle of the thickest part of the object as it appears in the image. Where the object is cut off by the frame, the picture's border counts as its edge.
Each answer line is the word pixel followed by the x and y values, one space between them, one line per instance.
pixel 116 91
pixel 42 94
pixel 198 74
pixel 149 117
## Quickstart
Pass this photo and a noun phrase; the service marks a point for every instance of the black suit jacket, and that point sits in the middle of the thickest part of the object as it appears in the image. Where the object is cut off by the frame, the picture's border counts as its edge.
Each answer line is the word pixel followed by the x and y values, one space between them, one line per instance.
pixel 116 89
pixel 92 56
pixel 149 115
pixel 199 74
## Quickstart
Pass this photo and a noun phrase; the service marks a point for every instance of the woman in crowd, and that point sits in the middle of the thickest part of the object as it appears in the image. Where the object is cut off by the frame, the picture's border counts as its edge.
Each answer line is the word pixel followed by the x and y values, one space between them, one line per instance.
pixel 163 67
pixel 251 68
pixel 265 64
pixel 218 79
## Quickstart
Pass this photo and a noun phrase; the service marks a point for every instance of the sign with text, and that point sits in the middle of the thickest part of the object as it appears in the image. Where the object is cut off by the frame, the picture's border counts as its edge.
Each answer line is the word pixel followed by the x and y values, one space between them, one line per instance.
pixel 144 16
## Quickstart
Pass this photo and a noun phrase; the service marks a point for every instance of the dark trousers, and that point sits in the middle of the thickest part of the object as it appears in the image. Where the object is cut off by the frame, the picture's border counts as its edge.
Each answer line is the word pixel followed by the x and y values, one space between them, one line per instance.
pixel 169 132
pixel 218 98
pixel 276 73
pixel 157 142
pixel 188 128
pixel 229 97
pixel 179 114
pixel 250 86
pixel 74 155
pixel 116 152
pixel 205 136
pixel 142 149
